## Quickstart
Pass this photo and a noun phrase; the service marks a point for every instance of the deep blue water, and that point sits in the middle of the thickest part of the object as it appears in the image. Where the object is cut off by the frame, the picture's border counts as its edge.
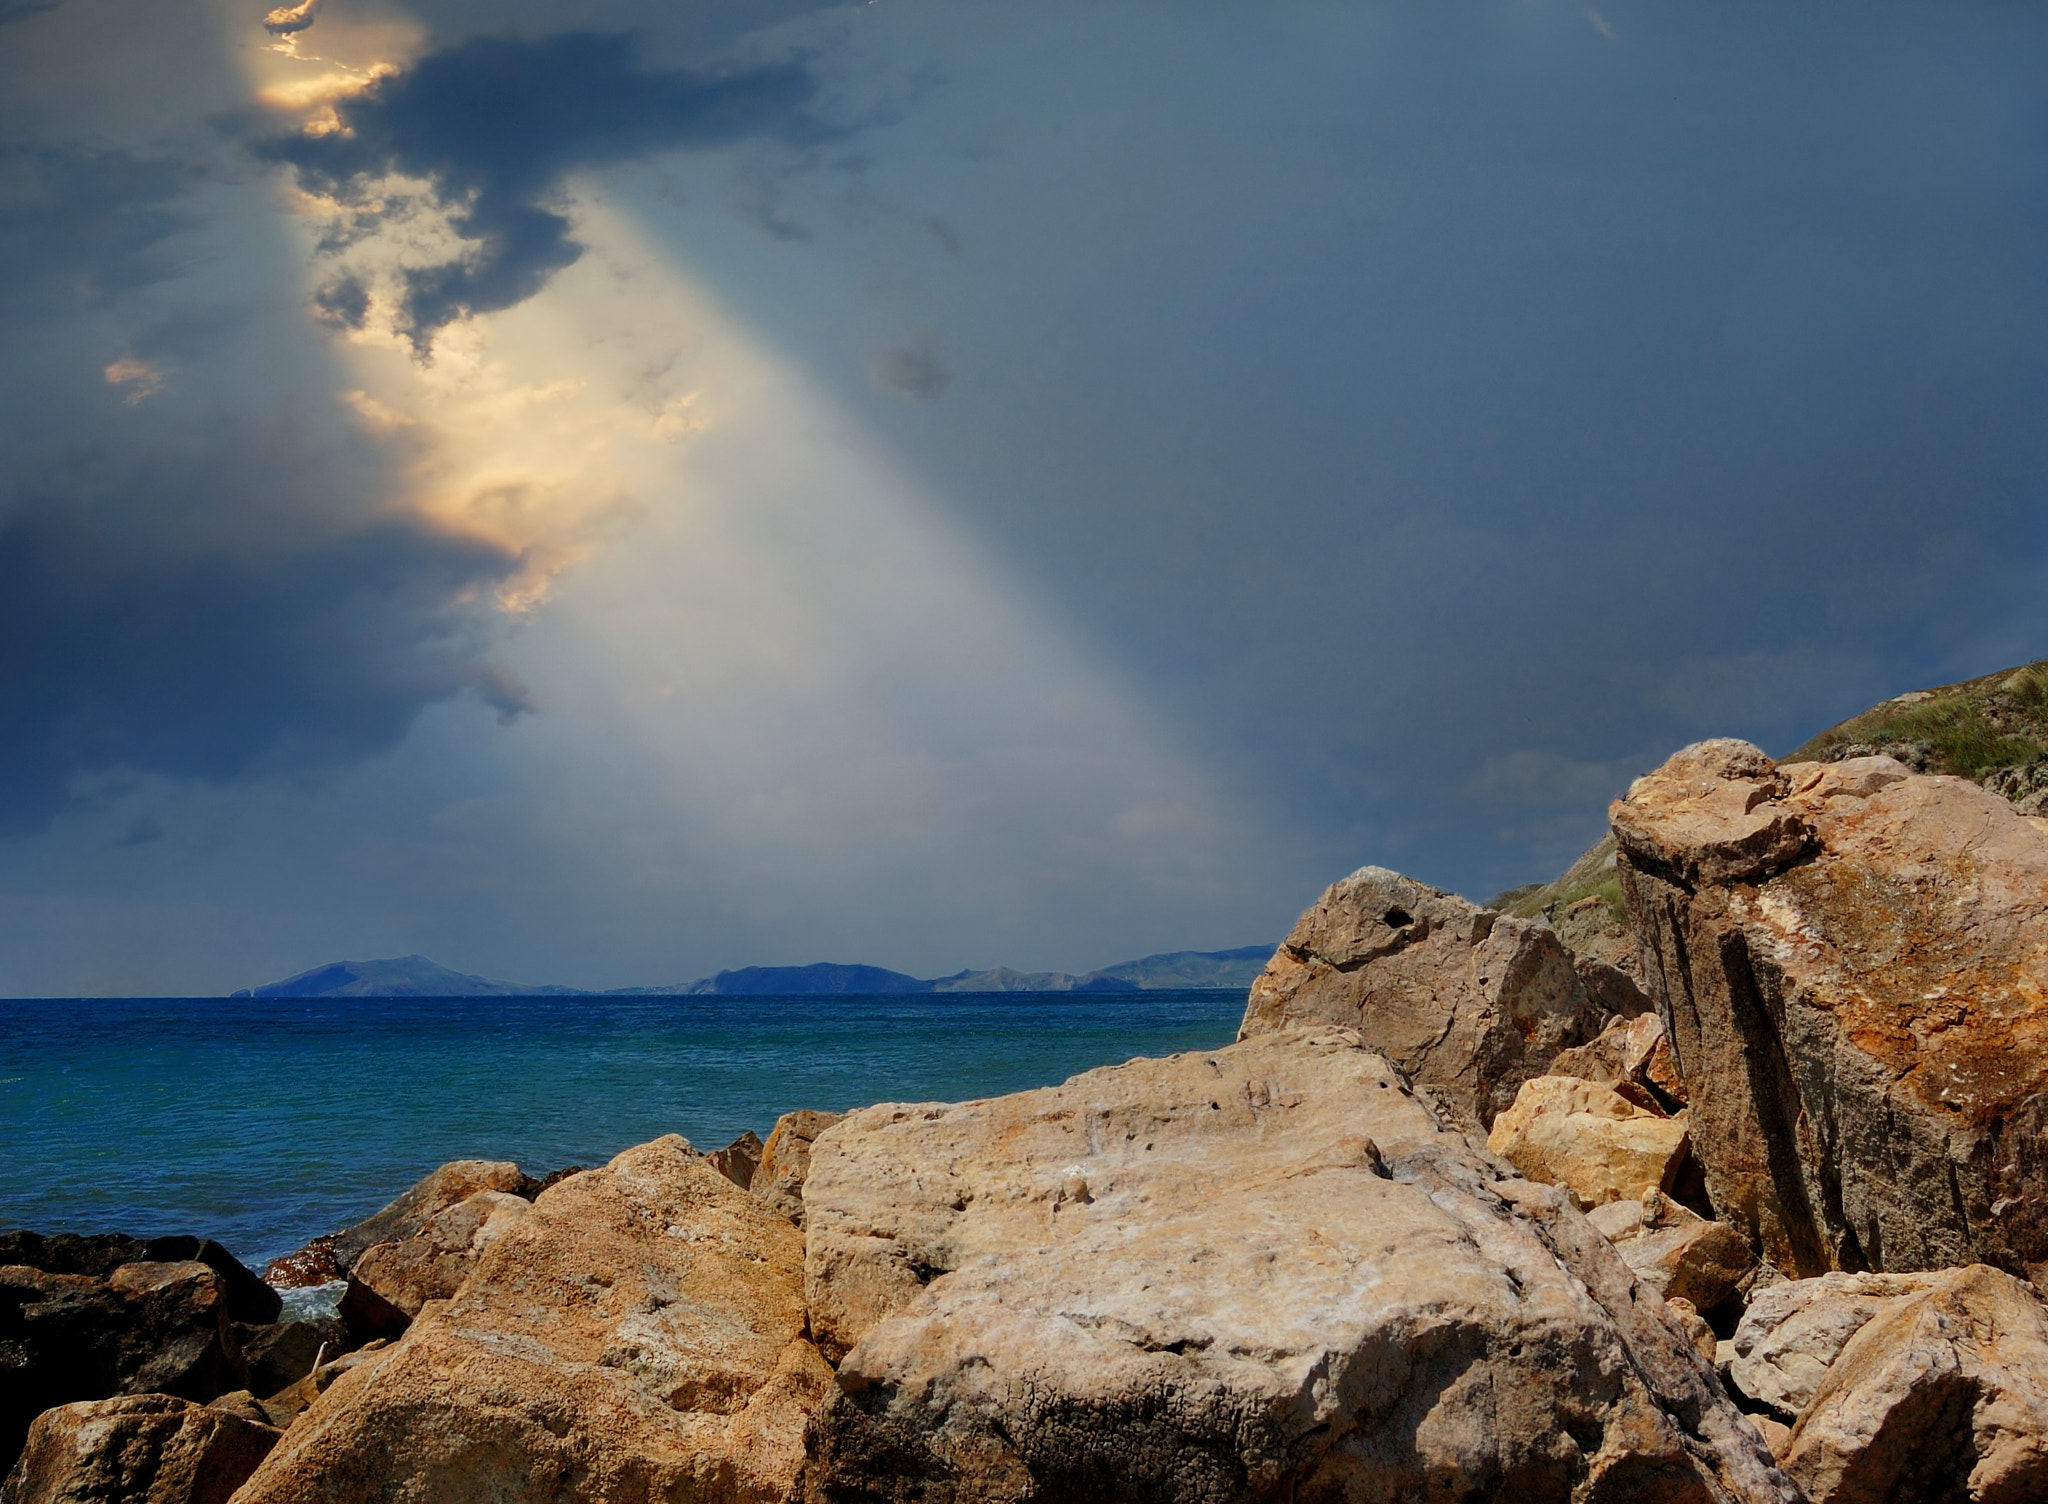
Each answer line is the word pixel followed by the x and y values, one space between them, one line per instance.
pixel 266 1122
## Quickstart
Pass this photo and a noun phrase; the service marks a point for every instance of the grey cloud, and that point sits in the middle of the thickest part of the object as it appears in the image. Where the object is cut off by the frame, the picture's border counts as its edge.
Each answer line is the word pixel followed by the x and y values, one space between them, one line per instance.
pixel 21 10
pixel 211 659
pixel 915 368
pixel 497 123
pixel 196 580
pixel 86 227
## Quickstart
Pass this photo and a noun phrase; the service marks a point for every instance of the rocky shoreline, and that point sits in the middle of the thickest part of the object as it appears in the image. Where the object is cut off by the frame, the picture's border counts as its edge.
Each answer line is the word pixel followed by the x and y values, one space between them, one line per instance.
pixel 1740 1200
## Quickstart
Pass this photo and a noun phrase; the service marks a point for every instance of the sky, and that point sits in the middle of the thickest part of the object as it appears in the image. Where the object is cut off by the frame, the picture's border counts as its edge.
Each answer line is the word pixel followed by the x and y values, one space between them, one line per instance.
pixel 599 494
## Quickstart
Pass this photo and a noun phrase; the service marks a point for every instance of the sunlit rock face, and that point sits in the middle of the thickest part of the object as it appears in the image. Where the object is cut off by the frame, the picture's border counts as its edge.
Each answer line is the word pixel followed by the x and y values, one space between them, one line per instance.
pixel 1468 1003
pixel 1265 1272
pixel 1903 1386
pixel 1851 962
pixel 637 1334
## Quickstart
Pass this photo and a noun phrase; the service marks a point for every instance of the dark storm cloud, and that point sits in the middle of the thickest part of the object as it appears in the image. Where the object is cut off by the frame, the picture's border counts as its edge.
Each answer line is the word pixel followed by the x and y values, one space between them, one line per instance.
pixel 21 10
pixel 495 124
pixel 196 580
pixel 94 223
pixel 221 662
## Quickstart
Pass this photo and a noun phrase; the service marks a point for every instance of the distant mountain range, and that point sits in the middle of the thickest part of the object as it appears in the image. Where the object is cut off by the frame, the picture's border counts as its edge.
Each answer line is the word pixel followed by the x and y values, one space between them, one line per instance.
pixel 416 976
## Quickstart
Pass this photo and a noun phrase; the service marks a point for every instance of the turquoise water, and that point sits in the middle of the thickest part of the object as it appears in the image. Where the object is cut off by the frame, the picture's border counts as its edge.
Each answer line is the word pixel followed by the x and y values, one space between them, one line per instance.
pixel 266 1122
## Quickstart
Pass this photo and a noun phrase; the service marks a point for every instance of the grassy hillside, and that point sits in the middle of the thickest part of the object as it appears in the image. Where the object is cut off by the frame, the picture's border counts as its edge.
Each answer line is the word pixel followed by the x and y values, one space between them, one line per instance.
pixel 1992 730
pixel 1968 729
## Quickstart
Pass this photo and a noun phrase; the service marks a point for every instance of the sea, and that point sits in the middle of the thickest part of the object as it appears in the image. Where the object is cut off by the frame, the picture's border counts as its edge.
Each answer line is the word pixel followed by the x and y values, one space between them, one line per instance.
pixel 266 1122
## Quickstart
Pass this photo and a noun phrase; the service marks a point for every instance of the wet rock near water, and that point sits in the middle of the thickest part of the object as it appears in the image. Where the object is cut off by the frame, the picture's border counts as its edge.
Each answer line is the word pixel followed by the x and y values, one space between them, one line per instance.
pixel 149 1328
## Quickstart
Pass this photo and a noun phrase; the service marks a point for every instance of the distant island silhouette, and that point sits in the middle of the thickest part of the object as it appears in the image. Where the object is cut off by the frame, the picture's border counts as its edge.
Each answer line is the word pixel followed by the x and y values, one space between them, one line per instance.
pixel 416 976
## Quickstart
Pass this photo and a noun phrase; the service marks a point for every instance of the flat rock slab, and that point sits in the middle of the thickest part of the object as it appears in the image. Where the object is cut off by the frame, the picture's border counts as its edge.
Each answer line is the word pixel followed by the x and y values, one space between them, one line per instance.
pixel 1260 1273
pixel 136 1449
pixel 1468 1003
pixel 637 1335
pixel 1851 962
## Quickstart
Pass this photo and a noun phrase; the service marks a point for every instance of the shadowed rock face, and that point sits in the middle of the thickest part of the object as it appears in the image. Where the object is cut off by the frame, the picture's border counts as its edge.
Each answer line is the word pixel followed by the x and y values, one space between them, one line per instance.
pixel 1468 1003
pixel 637 1335
pixel 1261 1273
pixel 1851 963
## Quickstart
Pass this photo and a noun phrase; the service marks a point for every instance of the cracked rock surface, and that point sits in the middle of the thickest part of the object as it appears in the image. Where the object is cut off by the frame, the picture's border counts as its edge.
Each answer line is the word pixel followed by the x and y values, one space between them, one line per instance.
pixel 1851 964
pixel 1265 1272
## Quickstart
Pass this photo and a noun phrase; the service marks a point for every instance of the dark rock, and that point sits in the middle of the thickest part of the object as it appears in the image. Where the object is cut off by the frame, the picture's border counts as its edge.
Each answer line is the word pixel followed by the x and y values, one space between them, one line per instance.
pixel 100 1254
pixel 137 1449
pixel 738 1160
pixel 152 1328
pixel 555 1178
pixel 281 1353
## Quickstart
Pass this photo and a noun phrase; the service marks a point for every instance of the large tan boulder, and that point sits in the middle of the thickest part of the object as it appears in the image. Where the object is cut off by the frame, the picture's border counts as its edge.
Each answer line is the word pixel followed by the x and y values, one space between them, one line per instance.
pixel 1674 1250
pixel 1852 963
pixel 331 1257
pixel 778 1178
pixel 1467 1003
pixel 1591 1139
pixel 1904 1386
pixel 1259 1273
pixel 136 1449
pixel 391 1281
pixel 638 1335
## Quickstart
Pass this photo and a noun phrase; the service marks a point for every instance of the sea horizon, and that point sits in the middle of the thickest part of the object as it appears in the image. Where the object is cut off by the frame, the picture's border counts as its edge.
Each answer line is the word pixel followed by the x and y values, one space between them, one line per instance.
pixel 264 1122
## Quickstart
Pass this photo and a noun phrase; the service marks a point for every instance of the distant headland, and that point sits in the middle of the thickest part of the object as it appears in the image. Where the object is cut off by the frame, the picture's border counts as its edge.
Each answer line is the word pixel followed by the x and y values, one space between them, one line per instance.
pixel 416 976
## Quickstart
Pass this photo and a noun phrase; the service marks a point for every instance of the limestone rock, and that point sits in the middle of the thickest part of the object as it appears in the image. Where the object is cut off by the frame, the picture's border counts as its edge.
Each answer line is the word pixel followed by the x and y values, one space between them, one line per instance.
pixel 638 1335
pixel 1674 1250
pixel 1263 1272
pixel 786 1159
pixel 1467 1003
pixel 1851 962
pixel 136 1449
pixel 1628 1049
pixel 151 1328
pixel 330 1258
pixel 1791 1333
pixel 1590 1139
pixel 738 1160
pixel 391 1281
pixel 1916 1387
